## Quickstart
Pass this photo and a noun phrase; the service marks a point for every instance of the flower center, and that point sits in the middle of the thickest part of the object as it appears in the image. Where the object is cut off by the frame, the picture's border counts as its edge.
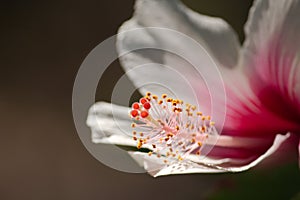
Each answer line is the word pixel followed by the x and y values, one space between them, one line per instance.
pixel 169 128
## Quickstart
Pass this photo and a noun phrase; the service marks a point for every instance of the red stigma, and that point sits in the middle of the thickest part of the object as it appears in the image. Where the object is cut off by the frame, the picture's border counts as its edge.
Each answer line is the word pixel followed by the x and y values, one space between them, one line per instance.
pixel 135 106
pixel 144 114
pixel 147 105
pixel 143 100
pixel 134 113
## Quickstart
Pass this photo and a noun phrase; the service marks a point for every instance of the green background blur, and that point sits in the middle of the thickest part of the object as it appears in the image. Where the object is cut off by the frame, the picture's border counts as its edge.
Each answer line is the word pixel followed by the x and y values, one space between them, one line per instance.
pixel 42 46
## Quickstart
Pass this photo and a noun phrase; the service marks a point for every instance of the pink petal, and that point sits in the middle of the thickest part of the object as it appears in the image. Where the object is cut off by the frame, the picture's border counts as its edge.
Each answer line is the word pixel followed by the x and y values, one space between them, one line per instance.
pixel 271 58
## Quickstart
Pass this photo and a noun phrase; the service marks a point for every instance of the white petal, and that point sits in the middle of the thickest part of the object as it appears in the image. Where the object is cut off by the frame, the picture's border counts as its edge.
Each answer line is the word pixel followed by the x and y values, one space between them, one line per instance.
pixel 110 124
pixel 156 167
pixel 267 18
pixel 190 76
pixel 212 33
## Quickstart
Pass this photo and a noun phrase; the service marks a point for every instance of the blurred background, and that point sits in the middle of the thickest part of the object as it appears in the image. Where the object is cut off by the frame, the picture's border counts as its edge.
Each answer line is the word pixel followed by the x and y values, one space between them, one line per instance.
pixel 43 43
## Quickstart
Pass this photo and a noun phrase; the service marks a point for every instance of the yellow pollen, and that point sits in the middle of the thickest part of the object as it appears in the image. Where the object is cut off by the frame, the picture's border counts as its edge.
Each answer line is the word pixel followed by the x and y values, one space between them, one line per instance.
pixel 154 97
pixel 148 98
pixel 179 158
pixel 139 145
pixel 169 99
pixel 164 96
pixel 170 135
pixel 199 113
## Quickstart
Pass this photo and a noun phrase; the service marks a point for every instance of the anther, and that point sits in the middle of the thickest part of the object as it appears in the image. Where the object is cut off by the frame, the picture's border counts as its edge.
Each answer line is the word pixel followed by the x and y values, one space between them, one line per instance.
pixel 199 113
pixel 169 99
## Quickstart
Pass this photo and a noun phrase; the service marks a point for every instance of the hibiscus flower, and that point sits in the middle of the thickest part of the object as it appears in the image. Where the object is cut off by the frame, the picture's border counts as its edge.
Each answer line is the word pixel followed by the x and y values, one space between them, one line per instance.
pixel 261 84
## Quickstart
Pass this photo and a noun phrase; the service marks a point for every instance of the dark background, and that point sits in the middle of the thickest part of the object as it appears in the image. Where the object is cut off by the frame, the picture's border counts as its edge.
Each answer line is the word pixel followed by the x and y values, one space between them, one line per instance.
pixel 43 44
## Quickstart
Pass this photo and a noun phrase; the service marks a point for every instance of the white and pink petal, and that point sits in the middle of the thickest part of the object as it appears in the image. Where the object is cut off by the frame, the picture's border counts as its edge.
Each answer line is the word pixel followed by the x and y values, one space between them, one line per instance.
pixel 271 56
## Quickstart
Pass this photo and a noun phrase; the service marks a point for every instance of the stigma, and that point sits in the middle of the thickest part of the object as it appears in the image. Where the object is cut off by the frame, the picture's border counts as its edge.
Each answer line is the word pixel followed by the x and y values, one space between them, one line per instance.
pixel 170 128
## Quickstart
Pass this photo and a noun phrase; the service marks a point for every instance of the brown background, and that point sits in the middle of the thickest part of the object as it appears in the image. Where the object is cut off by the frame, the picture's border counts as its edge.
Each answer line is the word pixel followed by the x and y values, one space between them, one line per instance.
pixel 42 46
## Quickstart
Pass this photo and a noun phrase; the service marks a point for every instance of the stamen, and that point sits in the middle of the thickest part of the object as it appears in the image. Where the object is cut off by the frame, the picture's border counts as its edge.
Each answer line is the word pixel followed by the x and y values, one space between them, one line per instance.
pixel 169 128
